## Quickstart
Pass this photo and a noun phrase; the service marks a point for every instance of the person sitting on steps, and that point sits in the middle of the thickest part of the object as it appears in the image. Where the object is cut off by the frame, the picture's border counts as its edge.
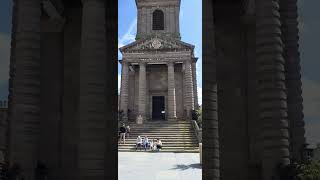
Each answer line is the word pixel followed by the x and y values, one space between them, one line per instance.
pixel 158 145
pixel 146 143
pixel 138 142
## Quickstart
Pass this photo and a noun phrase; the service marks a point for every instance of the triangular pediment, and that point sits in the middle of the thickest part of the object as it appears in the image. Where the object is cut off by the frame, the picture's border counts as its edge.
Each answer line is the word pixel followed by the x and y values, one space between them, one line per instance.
pixel 156 43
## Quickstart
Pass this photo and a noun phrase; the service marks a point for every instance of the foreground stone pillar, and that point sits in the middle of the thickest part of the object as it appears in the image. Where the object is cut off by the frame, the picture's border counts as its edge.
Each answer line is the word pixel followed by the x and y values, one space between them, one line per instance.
pixel 172 111
pixel 290 37
pixel 124 93
pixel 189 88
pixel 92 101
pixel 142 93
pixel 24 112
pixel 210 135
pixel 271 88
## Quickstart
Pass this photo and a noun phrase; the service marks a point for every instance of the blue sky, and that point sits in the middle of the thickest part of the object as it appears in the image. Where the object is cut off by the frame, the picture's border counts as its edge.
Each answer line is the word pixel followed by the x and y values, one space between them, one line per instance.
pixel 190 29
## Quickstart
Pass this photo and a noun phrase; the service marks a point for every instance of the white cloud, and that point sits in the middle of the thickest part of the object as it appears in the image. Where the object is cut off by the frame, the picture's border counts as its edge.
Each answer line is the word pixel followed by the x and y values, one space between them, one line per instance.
pixel 129 36
pixel 311 98
pixel 5 40
pixel 311 103
pixel 313 133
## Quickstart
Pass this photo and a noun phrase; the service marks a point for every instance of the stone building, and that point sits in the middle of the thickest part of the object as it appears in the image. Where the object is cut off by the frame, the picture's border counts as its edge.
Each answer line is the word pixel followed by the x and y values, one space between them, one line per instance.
pixel 252 106
pixel 158 77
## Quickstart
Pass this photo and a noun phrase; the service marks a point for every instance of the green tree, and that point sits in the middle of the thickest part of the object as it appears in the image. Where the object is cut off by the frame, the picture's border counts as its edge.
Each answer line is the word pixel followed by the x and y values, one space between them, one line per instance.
pixel 199 114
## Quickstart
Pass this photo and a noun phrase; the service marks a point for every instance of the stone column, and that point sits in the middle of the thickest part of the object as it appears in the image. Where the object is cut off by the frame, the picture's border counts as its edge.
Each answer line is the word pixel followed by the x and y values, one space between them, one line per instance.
pixel 172 110
pixel 92 100
pixel 142 93
pixel 24 112
pixel 290 36
pixel 271 88
pixel 195 90
pixel 124 92
pixel 211 149
pixel 189 88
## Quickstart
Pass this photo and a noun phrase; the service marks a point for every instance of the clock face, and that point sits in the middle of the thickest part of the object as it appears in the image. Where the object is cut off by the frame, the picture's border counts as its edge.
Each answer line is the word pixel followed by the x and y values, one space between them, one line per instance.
pixel 156 44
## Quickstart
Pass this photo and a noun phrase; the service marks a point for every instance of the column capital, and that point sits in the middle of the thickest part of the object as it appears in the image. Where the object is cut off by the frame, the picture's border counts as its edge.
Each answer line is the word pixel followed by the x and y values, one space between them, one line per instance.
pixel 188 61
pixel 170 63
pixel 124 63
pixel 142 63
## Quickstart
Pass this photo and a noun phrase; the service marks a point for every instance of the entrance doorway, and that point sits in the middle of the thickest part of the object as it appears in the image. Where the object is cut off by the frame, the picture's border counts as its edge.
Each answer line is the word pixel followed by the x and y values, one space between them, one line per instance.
pixel 158 108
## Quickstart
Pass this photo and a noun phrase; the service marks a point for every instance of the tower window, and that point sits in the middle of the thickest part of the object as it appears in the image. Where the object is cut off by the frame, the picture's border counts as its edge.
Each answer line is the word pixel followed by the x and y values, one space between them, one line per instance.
pixel 158 20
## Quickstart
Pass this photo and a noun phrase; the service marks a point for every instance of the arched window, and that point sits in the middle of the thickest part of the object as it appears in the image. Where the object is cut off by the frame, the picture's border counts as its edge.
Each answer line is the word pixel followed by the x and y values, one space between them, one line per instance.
pixel 158 20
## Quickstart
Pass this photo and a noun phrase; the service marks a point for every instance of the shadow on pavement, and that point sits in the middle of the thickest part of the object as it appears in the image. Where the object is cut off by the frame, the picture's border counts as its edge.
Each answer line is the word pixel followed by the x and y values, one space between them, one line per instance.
pixel 185 167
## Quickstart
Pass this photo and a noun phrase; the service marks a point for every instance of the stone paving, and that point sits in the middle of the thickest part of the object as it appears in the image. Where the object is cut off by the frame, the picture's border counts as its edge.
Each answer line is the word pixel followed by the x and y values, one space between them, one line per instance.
pixel 159 166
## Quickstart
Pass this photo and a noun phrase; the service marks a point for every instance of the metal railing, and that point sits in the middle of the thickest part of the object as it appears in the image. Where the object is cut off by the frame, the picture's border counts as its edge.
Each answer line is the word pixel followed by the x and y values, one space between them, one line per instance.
pixel 197 130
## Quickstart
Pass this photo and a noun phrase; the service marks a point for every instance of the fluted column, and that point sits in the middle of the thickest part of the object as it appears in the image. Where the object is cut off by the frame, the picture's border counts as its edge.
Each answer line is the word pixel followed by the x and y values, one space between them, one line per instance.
pixel 172 111
pixel 92 101
pixel 290 36
pixel 271 88
pixel 211 153
pixel 195 90
pixel 124 92
pixel 24 115
pixel 189 88
pixel 142 91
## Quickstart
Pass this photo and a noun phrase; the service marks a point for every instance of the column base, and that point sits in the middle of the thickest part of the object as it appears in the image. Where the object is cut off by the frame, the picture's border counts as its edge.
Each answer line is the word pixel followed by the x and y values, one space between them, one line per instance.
pixel 172 119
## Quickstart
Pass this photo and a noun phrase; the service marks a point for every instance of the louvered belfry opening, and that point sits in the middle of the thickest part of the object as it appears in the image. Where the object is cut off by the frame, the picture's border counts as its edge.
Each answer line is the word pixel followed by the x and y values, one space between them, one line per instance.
pixel 158 20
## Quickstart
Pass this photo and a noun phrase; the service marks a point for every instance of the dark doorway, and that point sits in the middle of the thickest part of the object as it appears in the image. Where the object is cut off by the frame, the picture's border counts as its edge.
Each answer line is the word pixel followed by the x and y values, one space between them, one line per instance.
pixel 158 108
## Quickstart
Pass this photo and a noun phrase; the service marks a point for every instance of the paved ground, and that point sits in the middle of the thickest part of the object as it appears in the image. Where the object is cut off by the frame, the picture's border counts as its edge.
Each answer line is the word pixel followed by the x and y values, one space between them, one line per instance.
pixel 159 166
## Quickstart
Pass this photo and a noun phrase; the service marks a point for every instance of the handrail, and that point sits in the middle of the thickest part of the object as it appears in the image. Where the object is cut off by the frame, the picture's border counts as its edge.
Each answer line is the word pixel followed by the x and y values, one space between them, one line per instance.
pixel 197 130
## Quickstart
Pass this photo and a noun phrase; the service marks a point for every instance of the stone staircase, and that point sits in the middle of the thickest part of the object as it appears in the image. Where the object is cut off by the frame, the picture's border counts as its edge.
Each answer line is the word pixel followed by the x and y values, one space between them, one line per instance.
pixel 177 136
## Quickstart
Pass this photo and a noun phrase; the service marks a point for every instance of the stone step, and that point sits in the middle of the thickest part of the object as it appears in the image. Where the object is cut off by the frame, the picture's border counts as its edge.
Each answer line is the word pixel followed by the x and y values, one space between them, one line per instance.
pixel 159 134
pixel 162 151
pixel 165 145
pixel 161 127
pixel 163 148
pixel 175 136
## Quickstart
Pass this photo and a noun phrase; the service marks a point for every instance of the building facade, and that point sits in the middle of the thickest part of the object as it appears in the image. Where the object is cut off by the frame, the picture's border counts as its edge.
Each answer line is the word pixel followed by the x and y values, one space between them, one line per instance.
pixel 158 77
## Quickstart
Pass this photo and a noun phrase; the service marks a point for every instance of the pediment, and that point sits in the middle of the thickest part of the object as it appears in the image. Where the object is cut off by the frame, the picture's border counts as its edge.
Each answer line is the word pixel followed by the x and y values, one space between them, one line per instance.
pixel 156 43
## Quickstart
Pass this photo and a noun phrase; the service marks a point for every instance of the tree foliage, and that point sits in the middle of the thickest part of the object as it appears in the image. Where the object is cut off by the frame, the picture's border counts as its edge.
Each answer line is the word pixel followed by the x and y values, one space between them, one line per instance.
pixel 309 170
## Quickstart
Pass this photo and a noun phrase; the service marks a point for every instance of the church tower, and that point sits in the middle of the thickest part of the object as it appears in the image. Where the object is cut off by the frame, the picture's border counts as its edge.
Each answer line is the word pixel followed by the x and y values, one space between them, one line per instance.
pixel 158 17
pixel 158 77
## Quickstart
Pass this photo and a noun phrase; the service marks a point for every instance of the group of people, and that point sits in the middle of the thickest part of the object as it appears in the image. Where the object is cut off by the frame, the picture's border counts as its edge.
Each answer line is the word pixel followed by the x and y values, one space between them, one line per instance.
pixel 154 145
pixel 124 132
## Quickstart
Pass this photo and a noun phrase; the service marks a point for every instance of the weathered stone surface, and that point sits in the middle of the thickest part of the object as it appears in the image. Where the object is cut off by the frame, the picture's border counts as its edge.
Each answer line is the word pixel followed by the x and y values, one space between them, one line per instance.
pixel 172 111
pixel 269 56
pixel 290 37
pixel 92 101
pixel 24 115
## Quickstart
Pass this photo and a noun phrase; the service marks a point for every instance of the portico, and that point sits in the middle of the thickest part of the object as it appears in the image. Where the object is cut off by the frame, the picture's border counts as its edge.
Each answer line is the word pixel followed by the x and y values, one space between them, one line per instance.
pixel 157 85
